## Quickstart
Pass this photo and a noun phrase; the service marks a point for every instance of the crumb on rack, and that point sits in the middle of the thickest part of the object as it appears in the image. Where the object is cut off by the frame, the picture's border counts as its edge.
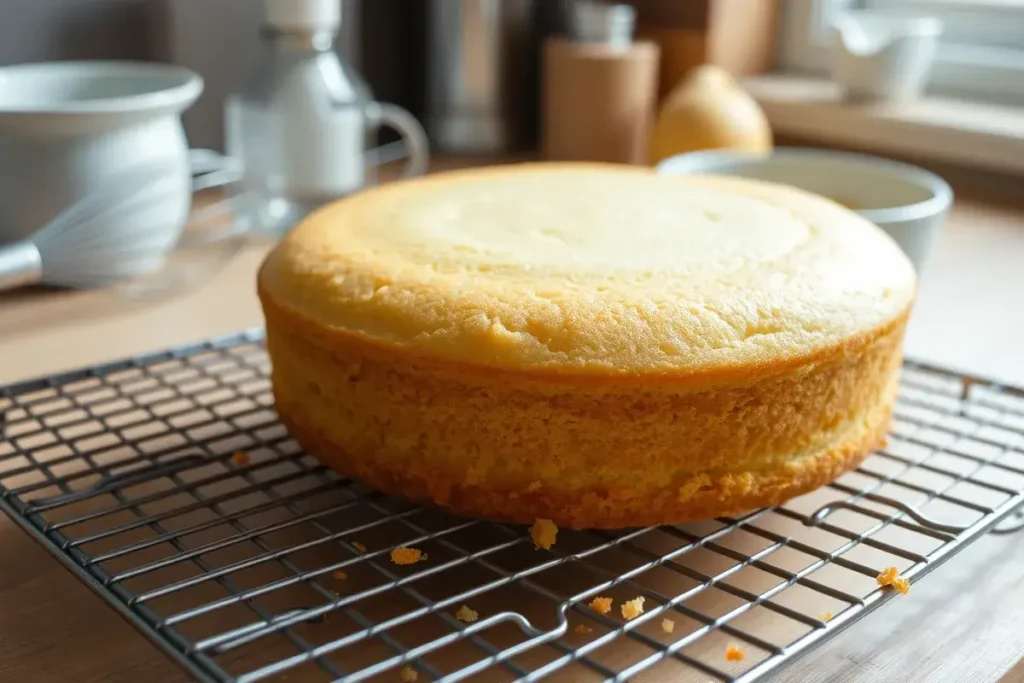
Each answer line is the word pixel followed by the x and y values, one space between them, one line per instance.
pixel 667 625
pixel 543 533
pixel 734 654
pixel 466 614
pixel 601 605
pixel 827 616
pixel 408 674
pixel 359 546
pixel 631 609
pixel 887 575
pixel 240 458
pixel 890 576
pixel 582 628
pixel 340 575
pixel 407 556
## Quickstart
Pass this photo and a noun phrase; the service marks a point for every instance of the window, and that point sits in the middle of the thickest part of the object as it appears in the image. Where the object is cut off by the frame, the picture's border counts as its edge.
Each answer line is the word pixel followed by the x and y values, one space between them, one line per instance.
pixel 982 52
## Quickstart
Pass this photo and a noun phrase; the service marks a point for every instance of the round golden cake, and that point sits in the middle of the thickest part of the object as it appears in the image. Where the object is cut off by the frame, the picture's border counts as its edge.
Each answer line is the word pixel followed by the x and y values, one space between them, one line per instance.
pixel 596 345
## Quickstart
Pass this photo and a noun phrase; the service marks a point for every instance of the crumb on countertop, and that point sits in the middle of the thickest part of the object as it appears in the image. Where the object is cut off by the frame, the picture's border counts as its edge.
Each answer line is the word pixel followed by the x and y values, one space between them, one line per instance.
pixel 466 614
pixel 667 625
pixel 631 609
pixel 601 605
pixel 407 556
pixel 582 628
pixel 240 458
pixel 827 616
pixel 408 674
pixel 359 546
pixel 734 654
pixel 890 576
pixel 543 532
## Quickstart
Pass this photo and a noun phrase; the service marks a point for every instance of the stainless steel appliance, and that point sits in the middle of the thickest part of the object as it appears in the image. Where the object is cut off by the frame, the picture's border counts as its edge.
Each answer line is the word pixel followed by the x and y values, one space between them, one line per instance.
pixel 482 75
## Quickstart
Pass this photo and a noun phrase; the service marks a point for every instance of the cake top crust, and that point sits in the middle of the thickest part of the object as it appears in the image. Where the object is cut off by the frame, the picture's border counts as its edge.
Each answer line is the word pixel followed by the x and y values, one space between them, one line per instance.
pixel 590 268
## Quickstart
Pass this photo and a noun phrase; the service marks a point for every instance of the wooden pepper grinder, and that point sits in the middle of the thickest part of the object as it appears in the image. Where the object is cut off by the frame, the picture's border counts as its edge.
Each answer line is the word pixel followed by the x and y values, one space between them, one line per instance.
pixel 600 88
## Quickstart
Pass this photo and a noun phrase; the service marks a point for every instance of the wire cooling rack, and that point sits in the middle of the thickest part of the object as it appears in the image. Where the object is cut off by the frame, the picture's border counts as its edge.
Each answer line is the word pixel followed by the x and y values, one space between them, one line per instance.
pixel 167 485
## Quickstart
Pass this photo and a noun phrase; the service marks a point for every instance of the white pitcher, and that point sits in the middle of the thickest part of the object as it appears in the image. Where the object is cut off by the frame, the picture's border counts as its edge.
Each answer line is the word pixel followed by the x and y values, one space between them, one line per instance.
pixel 878 56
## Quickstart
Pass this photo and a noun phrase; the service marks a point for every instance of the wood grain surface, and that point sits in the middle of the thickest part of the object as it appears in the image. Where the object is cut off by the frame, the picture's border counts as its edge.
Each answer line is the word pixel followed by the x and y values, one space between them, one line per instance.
pixel 964 622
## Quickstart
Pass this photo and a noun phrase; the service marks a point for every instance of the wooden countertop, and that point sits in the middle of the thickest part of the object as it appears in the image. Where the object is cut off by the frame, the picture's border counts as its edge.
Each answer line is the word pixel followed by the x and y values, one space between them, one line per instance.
pixel 963 622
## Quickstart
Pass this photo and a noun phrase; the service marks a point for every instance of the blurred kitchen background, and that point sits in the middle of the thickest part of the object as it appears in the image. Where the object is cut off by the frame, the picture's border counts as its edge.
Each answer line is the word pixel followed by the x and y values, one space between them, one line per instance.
pixel 938 83
pixel 973 112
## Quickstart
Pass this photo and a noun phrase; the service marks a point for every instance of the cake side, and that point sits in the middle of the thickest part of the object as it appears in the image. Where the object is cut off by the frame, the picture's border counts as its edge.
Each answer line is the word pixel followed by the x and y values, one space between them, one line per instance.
pixel 593 271
pixel 594 455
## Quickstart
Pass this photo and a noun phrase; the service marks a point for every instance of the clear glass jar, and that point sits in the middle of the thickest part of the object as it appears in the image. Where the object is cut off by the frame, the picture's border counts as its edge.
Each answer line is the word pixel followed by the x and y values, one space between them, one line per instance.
pixel 304 125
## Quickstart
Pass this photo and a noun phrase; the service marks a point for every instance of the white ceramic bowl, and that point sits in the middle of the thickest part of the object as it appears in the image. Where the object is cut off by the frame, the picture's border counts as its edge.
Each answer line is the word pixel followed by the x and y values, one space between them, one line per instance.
pixel 69 130
pixel 907 202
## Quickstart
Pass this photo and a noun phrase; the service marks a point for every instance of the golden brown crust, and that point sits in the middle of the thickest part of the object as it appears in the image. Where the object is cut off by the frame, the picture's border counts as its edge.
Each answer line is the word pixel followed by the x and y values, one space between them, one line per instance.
pixel 723 496
pixel 517 447
pixel 768 366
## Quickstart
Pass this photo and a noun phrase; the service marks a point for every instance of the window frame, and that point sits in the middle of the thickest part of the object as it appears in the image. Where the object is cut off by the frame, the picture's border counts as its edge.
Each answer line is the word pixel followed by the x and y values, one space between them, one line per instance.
pixel 985 63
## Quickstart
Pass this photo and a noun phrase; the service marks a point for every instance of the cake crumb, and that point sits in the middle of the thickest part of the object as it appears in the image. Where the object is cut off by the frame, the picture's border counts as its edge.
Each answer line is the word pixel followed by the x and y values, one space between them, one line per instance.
pixel 466 614
pixel 405 556
pixel 359 546
pixel 533 487
pixel 582 628
pixel 340 575
pixel 887 575
pixel 890 576
pixel 667 625
pixel 601 605
pixel 543 533
pixel 631 609
pixel 408 674
pixel 734 654
pixel 240 458
pixel 827 616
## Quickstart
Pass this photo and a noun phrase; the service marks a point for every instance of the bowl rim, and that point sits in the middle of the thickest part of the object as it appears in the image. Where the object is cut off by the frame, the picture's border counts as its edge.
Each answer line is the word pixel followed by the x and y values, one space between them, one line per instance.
pixel 707 161
pixel 174 86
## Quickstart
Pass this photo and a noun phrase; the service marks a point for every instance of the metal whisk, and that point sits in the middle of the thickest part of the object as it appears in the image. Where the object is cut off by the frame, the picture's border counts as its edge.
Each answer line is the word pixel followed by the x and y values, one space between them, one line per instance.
pixel 79 248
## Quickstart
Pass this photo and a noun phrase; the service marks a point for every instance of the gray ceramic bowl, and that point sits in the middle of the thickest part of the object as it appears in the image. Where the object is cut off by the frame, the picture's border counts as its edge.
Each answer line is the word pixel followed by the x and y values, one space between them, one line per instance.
pixel 907 202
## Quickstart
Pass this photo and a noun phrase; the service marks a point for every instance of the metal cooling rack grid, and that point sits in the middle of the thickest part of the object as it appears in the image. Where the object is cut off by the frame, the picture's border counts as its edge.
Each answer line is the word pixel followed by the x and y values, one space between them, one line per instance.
pixel 271 567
